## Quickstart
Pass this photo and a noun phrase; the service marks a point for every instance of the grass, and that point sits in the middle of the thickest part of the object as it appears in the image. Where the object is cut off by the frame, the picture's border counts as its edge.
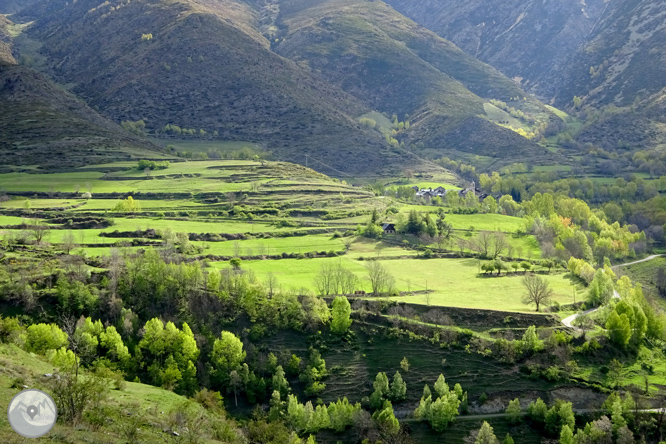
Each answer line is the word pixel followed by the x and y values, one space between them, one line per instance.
pixel 139 399
pixel 453 282
pixel 456 283
pixel 272 246
pixel 485 222
pixel 12 220
pixel 197 146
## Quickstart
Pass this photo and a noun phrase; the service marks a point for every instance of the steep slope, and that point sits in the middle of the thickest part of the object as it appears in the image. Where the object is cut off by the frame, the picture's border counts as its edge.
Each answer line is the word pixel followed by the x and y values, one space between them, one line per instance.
pixel 6 49
pixel 395 66
pixel 621 70
pixel 12 6
pixel 626 53
pixel 527 40
pixel 203 65
pixel 40 124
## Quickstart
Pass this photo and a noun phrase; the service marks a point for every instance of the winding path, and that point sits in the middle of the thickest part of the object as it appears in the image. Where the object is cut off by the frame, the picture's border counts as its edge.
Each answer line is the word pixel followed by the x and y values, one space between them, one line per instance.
pixel 649 258
pixel 569 321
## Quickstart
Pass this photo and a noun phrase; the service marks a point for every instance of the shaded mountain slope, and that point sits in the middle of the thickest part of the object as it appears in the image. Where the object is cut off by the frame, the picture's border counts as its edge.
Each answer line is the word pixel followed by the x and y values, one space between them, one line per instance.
pixel 526 40
pixel 204 65
pixel 396 66
pixel 40 124
pixel 12 6
pixel 626 53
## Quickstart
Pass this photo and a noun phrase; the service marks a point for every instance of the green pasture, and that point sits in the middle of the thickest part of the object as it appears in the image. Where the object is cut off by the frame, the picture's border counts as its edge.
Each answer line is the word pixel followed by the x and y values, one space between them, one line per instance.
pixel 272 246
pixel 204 146
pixel 485 222
pixel 548 168
pixel 194 176
pixel 12 220
pixel 454 282
pixel 479 221
pixel 457 282
pixel 496 115
pixel 191 226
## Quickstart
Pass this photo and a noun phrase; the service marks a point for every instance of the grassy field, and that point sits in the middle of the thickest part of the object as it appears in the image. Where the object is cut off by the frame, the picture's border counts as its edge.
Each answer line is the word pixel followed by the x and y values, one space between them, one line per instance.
pixel 272 246
pixel 453 282
pixel 196 146
pixel 299 192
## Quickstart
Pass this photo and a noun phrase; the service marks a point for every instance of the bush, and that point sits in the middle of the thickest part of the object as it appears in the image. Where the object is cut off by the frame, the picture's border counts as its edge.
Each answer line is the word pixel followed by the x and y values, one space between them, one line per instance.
pixel 75 396
pixel 428 253
pixel 10 329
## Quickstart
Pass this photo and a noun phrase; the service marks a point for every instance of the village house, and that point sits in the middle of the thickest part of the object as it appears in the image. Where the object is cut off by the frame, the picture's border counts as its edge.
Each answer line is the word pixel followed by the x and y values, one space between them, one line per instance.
pixel 388 228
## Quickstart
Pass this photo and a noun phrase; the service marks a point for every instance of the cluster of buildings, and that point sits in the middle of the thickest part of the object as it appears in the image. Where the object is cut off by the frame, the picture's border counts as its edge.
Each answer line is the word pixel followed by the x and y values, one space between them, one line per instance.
pixel 428 193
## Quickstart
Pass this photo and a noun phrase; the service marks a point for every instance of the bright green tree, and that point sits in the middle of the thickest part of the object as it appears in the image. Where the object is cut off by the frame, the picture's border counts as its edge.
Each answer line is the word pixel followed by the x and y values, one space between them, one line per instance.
pixel 169 355
pixel 381 392
pixel 566 435
pixel 227 355
pixel 619 328
pixel 530 342
pixel 537 411
pixel 280 383
pixel 386 419
pixel 514 411
pixel 340 313
pixel 42 337
pixel 398 390
pixel 486 435
pixel 559 415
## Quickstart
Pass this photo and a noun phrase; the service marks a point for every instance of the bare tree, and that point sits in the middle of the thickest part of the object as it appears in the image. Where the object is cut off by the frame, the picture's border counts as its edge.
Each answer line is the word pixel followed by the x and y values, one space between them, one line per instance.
pixel 498 243
pixel 77 188
pixel 325 280
pixel 348 242
pixel 68 242
pixel 425 239
pixel 346 280
pixel 89 187
pixel 462 244
pixel 261 249
pixel 237 249
pixel 482 243
pixel 380 279
pixel 441 241
pixel 271 283
pixel 38 231
pixel 538 290
pixel 378 248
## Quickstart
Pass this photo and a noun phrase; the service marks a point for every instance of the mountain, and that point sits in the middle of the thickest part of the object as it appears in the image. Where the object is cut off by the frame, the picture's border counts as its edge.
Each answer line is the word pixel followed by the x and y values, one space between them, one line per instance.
pixel 398 67
pixel 293 75
pixel 12 6
pixel 6 47
pixel 205 65
pixel 42 124
pixel 621 62
pixel 608 53
pixel 528 40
